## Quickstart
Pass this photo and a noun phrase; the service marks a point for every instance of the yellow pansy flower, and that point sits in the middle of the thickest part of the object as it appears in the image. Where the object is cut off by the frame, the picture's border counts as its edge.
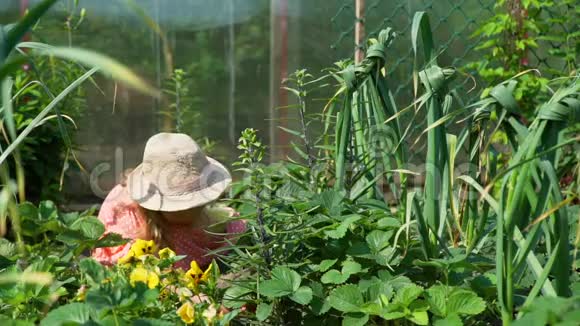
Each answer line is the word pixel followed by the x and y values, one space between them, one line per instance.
pixel 138 249
pixel 166 253
pixel 186 312
pixel 127 258
pixel 206 274
pixel 194 269
pixel 140 274
pixel 195 274
pixel 143 247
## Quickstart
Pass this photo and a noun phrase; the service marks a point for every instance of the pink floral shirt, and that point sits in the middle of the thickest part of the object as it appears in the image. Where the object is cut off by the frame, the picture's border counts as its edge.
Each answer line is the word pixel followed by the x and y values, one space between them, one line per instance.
pixel 120 214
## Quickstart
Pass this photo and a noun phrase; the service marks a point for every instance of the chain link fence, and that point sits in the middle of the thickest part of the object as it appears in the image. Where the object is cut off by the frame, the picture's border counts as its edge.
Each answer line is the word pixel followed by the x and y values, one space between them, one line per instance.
pixel 453 23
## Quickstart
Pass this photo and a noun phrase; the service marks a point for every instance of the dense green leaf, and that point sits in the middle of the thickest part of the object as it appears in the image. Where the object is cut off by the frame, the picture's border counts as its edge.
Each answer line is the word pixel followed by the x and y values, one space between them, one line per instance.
pixel 71 313
pixel 89 226
pixel 263 311
pixel 333 277
pixel 445 301
pixel 408 294
pixel 355 319
pixel 236 296
pixel 388 222
pixel 284 282
pixel 7 248
pixel 341 229
pixel 378 240
pixel 93 270
pixel 371 308
pixel 451 320
pixel 326 264
pixel 346 298
pixel 419 317
pixel 319 303
pixel 351 267
pixel 375 287
pixel 112 240
pixel 331 200
pixel 437 298
pixel 392 315
pixel 465 302
pixel 47 210
pixel 302 296
pixel 551 311
pixel 27 210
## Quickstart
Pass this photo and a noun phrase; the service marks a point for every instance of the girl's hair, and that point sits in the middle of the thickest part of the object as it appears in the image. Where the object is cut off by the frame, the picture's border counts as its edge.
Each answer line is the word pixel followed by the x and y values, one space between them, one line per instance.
pixel 154 219
pixel 156 225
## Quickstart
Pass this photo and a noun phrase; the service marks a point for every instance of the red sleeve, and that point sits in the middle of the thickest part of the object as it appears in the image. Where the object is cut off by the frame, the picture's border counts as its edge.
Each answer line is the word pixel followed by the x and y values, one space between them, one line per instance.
pixel 120 215
pixel 238 226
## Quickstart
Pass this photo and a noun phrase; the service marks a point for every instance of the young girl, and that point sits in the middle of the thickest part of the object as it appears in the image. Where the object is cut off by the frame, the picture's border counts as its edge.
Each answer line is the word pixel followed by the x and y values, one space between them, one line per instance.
pixel 167 199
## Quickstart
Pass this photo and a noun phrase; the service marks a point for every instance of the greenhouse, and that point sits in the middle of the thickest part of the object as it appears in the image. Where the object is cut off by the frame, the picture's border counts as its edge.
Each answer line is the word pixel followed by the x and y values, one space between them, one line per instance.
pixel 289 162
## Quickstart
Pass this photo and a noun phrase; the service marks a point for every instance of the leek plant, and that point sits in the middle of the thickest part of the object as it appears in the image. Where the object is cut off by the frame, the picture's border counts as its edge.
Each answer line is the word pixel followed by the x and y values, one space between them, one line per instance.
pixel 366 150
pixel 528 206
pixel 524 197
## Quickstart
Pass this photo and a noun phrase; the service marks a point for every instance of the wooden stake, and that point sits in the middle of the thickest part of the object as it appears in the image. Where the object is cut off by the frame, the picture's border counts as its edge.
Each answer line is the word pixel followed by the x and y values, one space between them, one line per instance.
pixel 359 30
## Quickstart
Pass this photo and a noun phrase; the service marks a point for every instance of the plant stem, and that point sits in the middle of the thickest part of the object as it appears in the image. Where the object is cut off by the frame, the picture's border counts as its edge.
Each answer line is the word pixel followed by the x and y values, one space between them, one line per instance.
pixel 302 111
pixel 259 210
pixel 263 235
pixel 509 280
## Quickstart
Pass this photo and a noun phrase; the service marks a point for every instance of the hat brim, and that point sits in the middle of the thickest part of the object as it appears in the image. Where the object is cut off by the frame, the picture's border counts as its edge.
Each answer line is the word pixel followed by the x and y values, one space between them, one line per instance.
pixel 215 179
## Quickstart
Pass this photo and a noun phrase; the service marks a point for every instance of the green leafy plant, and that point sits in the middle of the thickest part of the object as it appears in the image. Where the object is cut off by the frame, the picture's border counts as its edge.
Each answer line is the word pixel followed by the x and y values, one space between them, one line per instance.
pixel 510 36
pixel 481 245
pixel 46 155
pixel 338 257
pixel 183 110
pixel 54 241
pixel 51 282
pixel 10 62
pixel 365 146
pixel 551 311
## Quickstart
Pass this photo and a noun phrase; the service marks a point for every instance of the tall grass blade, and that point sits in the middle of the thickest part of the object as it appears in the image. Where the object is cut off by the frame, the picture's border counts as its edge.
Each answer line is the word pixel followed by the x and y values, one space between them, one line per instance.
pixel 105 64
pixel 33 124
pixel 16 32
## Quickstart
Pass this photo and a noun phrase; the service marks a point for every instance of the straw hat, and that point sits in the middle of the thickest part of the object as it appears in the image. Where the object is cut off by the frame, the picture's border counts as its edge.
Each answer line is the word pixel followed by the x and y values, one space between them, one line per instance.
pixel 176 175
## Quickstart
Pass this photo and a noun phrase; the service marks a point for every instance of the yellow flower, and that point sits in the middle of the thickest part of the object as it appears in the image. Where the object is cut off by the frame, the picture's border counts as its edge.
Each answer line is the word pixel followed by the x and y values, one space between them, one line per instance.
pixel 143 247
pixel 206 274
pixel 194 269
pixel 127 258
pixel 138 249
pixel 195 274
pixel 140 274
pixel 186 312
pixel 166 253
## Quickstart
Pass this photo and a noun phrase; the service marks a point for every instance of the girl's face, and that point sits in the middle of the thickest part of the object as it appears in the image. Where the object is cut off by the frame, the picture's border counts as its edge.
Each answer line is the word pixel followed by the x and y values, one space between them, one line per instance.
pixel 188 216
